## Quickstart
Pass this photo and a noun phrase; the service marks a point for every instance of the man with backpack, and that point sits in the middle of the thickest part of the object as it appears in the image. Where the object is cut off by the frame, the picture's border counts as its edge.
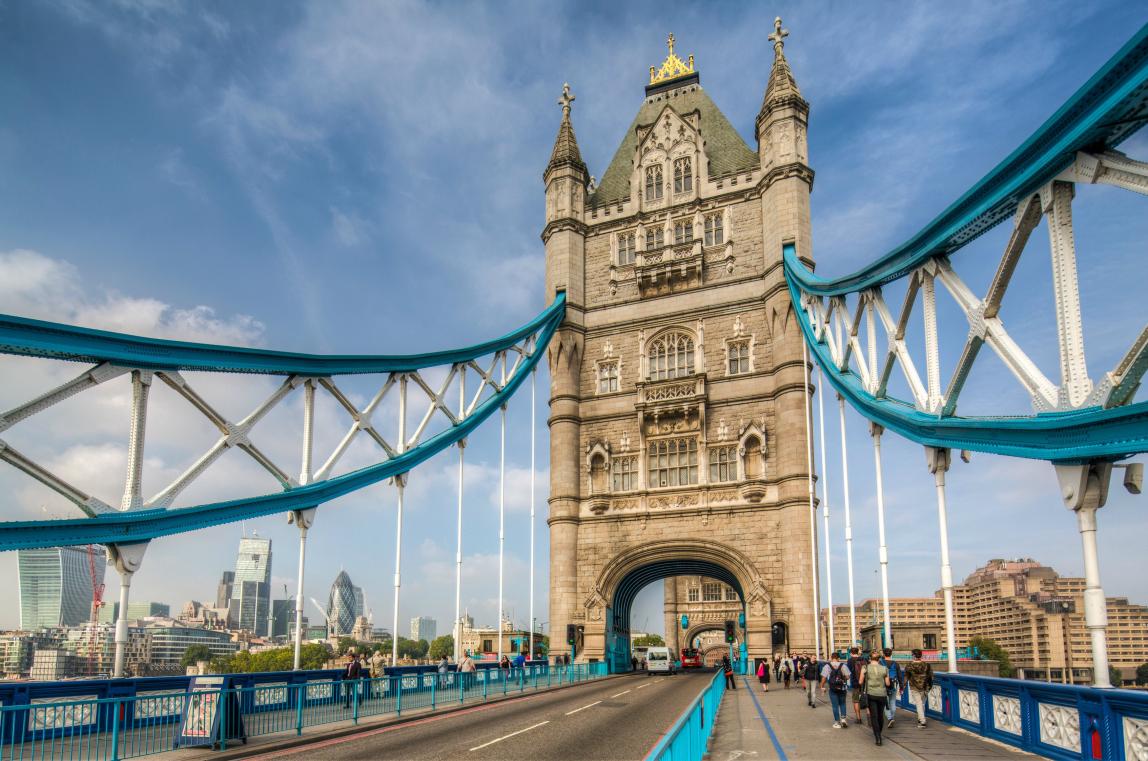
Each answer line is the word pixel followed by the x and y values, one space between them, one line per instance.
pixel 856 663
pixel 727 669
pixel 896 677
pixel 835 680
pixel 809 676
pixel 919 675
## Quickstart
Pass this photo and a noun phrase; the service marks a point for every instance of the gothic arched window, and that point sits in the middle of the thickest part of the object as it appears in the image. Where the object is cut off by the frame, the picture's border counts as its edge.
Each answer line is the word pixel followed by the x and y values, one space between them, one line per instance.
pixel 654 182
pixel 683 176
pixel 671 355
pixel 655 238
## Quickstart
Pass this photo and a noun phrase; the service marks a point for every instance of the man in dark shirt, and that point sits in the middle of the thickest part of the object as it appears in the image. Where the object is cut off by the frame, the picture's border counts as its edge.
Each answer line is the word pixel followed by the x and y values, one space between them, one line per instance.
pixel 856 663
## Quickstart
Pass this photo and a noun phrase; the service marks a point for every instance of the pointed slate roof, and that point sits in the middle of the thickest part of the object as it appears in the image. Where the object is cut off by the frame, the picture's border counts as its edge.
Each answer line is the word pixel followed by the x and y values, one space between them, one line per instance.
pixel 566 147
pixel 727 151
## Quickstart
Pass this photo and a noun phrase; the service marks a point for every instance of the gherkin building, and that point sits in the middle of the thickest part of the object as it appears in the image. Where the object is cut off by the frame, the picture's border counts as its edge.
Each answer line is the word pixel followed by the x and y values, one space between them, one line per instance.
pixel 341 608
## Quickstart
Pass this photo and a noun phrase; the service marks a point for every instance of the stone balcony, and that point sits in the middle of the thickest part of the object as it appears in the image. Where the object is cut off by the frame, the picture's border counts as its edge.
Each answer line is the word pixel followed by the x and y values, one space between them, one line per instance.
pixel 669 269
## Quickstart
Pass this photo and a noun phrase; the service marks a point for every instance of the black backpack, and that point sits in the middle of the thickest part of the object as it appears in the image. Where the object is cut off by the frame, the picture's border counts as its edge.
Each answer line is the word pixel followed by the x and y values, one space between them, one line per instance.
pixel 837 681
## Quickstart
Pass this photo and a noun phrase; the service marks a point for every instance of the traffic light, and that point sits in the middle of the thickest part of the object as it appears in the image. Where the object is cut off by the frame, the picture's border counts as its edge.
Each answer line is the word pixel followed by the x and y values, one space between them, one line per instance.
pixel 570 634
pixel 730 632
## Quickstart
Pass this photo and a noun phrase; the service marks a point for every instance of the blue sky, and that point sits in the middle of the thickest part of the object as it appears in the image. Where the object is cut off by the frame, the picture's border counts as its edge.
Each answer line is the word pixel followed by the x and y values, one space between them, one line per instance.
pixel 367 177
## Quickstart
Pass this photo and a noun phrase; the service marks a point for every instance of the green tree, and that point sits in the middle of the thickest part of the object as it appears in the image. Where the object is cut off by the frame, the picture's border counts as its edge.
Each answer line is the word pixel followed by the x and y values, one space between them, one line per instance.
pixel 1142 674
pixel 649 640
pixel 990 650
pixel 344 644
pixel 409 648
pixel 1115 676
pixel 193 654
pixel 441 647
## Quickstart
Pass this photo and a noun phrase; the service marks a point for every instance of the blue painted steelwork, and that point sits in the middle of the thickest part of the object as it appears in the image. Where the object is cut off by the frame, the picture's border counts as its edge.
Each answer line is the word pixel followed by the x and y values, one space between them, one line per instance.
pixel 1106 110
pixel 1076 436
pixel 142 717
pixel 1108 718
pixel 1112 105
pixel 686 739
pixel 35 338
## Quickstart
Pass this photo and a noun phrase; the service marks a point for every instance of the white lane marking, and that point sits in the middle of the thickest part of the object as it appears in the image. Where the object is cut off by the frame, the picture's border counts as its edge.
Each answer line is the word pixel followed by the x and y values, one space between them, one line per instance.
pixel 583 708
pixel 640 686
pixel 623 692
pixel 512 734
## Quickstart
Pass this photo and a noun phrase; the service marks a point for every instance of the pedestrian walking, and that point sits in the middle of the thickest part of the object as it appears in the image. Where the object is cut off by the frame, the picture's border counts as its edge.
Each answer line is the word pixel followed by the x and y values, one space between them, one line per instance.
pixel 727 669
pixel 835 681
pixel 896 677
pixel 351 675
pixel 763 674
pixel 919 676
pixel 809 678
pixel 875 682
pixel 633 663
pixel 787 670
pixel 443 669
pixel 856 665
pixel 377 670
pixel 777 668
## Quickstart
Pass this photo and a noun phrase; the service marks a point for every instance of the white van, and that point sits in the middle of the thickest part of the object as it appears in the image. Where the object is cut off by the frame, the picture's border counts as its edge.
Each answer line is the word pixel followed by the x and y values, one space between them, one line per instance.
pixel 659 659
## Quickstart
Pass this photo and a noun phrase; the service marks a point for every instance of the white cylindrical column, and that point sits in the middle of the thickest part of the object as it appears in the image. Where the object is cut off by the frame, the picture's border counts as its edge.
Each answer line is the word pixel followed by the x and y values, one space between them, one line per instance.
pixel 882 550
pixel 1095 606
pixel 399 484
pixel 303 526
pixel 122 624
pixel 832 644
pixel 458 549
pixel 938 459
pixel 501 517
pixel 812 505
pixel 533 373
pixel 848 526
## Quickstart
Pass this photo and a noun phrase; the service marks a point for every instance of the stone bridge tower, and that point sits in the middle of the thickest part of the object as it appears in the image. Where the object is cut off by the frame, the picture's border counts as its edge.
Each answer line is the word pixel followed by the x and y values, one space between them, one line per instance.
pixel 677 438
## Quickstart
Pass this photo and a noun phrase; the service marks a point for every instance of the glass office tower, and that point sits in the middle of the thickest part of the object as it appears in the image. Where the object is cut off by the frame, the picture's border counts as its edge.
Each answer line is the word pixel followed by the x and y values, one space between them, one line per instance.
pixel 56 586
pixel 250 606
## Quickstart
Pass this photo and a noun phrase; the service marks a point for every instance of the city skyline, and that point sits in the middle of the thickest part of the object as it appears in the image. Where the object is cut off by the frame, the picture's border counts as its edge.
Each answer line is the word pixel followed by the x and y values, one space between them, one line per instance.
pixel 351 172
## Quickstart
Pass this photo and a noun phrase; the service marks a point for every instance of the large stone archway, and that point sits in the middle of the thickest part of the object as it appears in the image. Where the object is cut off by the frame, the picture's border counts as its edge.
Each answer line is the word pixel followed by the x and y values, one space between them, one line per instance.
pixel 607 607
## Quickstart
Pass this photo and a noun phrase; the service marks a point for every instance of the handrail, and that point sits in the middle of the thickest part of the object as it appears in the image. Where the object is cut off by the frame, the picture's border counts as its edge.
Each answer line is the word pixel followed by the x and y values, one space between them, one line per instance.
pixel 683 740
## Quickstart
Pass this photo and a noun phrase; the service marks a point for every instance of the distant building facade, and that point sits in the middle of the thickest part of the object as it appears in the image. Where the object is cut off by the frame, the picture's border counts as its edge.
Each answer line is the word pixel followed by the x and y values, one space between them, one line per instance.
pixel 1027 608
pixel 423 627
pixel 706 605
pixel 56 586
pixel 110 612
pixel 342 609
pixel 223 591
pixel 250 605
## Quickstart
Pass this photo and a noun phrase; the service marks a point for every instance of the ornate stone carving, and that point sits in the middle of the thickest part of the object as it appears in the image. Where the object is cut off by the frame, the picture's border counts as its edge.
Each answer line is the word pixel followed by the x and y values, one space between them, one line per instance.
pixel 1059 726
pixel 663 392
pixel 625 504
pixel 935 701
pixel 673 501
pixel 1006 714
pixel 970 706
pixel 1135 739
pixel 719 497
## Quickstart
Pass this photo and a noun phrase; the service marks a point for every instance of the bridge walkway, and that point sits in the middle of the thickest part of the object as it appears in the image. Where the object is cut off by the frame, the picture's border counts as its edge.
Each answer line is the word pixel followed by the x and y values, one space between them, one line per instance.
pixel 781 725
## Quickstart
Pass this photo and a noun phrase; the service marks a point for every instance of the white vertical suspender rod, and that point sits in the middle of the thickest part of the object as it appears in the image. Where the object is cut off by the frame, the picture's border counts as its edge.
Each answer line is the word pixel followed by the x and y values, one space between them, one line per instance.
pixel 815 612
pixel 938 459
pixel 400 483
pixel 501 505
pixel 533 374
pixel 303 518
pixel 882 549
pixel 458 549
pixel 848 525
pixel 832 644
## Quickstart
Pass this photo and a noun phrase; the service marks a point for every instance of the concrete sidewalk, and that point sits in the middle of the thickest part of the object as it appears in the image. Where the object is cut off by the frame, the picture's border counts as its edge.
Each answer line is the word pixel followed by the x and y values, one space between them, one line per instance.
pixel 779 724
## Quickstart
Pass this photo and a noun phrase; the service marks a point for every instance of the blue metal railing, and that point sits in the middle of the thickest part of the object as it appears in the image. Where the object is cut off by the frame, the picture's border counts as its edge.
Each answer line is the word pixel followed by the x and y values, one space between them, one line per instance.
pixel 1056 721
pixel 150 722
pixel 686 740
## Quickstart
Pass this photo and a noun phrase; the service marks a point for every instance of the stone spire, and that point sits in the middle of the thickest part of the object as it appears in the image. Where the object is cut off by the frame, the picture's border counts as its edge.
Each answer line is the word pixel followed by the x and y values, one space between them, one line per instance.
pixel 565 151
pixel 782 86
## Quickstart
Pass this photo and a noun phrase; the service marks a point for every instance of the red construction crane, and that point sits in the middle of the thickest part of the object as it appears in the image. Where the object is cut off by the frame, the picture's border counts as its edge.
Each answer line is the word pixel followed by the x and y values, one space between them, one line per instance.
pixel 97 603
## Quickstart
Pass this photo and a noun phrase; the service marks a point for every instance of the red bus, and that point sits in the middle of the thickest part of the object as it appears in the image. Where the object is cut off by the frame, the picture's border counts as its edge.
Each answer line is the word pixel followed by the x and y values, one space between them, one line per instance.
pixel 691 658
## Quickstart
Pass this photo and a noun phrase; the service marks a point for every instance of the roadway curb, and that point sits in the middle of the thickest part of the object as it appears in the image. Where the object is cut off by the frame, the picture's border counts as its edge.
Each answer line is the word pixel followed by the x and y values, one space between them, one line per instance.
pixel 248 751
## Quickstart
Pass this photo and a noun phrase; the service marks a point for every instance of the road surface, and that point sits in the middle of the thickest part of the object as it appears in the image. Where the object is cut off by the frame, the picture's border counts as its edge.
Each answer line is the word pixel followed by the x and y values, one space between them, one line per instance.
pixel 612 720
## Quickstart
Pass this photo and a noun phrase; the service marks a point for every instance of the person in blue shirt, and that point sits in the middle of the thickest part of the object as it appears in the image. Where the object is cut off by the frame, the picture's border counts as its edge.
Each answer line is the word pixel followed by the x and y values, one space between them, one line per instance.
pixel 896 676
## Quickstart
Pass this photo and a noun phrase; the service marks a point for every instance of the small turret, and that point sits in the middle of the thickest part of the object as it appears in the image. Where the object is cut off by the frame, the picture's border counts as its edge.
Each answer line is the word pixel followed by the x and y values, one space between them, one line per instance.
pixel 781 123
pixel 564 235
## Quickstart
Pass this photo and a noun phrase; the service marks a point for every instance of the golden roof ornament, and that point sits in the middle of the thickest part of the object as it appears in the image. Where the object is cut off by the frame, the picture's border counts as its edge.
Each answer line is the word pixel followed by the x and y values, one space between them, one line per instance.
pixel 673 67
